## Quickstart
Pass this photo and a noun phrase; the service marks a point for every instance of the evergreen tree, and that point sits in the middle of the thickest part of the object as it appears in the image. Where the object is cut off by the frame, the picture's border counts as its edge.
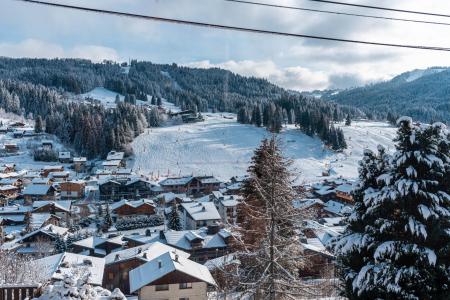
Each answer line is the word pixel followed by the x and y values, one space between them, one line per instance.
pixel 268 246
pixel 174 221
pixel 348 120
pixel 159 101
pixel 107 221
pixel 60 244
pixel 409 240
pixel 38 126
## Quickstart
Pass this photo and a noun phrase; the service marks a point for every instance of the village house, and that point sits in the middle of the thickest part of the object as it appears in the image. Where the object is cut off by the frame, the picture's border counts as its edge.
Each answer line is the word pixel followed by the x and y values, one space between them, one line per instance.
pixel 166 200
pixel 343 193
pixel 226 206
pixel 41 241
pixel 191 184
pixel 64 157
pixel 39 220
pixel 199 214
pixel 49 169
pixel 119 264
pixel 118 188
pixel 98 246
pixel 42 180
pixel 9 191
pixel 74 189
pixel 35 192
pixel 7 168
pixel 11 148
pixel 17 182
pixel 79 164
pixel 117 156
pixel 171 276
pixel 126 208
pixel 14 219
pixel 59 176
pixel 60 208
pixel 111 165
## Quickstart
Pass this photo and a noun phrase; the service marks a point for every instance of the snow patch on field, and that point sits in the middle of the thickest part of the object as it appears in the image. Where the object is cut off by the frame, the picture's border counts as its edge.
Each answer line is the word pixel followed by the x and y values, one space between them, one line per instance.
pixel 105 96
pixel 222 147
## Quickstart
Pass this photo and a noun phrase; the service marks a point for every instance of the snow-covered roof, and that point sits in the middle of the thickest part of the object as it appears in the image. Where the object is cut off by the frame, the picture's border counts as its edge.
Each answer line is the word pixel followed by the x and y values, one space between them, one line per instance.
pixel 201 211
pixel 135 204
pixel 50 230
pixel 40 180
pixel 314 244
pixel 337 207
pixel 8 181
pixel 7 187
pixel 208 179
pixel 61 204
pixel 37 219
pixel 182 239
pixel 145 252
pixel 345 188
pixel 220 262
pixel 56 266
pixel 59 174
pixel 176 181
pixel 15 209
pixel 114 155
pixel 79 159
pixel 305 203
pixel 57 167
pixel 164 264
pixel 37 189
pixel 64 154
pixel 111 163
pixel 93 241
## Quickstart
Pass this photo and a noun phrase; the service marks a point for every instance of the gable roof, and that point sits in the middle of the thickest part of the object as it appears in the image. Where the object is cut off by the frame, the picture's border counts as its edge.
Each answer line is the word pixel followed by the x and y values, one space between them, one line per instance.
pixel 176 181
pixel 64 205
pixel 134 204
pixel 200 211
pixel 37 189
pixel 164 264
pixel 93 241
pixel 49 230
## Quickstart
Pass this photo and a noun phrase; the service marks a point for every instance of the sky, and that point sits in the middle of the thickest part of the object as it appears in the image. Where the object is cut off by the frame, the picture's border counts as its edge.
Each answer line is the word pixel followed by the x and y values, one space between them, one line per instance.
pixel 29 30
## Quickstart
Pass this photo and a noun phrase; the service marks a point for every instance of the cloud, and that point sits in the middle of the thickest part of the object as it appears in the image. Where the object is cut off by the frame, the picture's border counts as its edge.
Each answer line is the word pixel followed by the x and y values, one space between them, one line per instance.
pixel 41 49
pixel 295 78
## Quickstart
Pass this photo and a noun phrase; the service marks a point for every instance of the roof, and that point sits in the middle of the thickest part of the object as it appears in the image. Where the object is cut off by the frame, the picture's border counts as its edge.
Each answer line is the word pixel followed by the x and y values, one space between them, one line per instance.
pixel 15 209
pixel 40 180
pixel 201 211
pixel 57 167
pixel 182 239
pixel 176 181
pixel 37 219
pixel 145 252
pixel 61 204
pixel 7 187
pixel 64 154
pixel 50 230
pixel 93 241
pixel 59 174
pixel 79 159
pixel 114 155
pixel 37 189
pixel 305 203
pixel 337 207
pixel 345 188
pixel 314 244
pixel 164 264
pixel 135 204
pixel 208 179
pixel 111 163
pixel 56 266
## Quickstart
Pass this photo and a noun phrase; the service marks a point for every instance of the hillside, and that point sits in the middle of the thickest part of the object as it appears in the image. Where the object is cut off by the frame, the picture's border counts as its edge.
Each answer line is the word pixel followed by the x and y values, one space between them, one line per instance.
pixel 422 94
pixel 222 147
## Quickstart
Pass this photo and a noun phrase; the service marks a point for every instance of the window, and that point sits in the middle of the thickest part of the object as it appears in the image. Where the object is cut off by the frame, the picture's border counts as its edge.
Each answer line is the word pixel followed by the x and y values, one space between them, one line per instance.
pixel 162 287
pixel 186 285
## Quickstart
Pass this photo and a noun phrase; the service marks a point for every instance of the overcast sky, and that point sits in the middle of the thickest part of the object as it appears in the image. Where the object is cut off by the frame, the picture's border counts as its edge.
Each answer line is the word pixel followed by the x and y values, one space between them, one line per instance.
pixel 28 30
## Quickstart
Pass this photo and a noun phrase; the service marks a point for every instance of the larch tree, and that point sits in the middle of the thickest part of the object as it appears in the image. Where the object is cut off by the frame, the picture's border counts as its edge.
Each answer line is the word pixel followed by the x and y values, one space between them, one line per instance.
pixel 267 244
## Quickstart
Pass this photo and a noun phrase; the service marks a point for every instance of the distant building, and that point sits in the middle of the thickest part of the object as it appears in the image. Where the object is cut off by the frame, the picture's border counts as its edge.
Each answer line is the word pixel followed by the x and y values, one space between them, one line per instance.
pixel 343 192
pixel 64 157
pixel 98 246
pixel 11 148
pixel 48 169
pixel 191 184
pixel 200 214
pixel 125 208
pixel 41 241
pixel 35 192
pixel 60 208
pixel 117 188
pixel 226 206
pixel 79 164
pixel 72 189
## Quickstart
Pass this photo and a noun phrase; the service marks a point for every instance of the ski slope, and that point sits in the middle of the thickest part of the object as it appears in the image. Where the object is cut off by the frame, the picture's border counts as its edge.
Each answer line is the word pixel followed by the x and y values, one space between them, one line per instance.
pixel 107 97
pixel 222 147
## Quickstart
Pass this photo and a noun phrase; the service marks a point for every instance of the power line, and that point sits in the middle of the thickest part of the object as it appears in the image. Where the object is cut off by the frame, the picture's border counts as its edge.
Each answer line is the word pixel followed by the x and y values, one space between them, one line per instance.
pixel 383 8
pixel 235 28
pixel 337 13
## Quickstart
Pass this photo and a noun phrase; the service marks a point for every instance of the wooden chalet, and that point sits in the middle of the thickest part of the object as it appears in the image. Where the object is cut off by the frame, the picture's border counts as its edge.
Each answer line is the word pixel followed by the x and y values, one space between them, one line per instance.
pixel 72 189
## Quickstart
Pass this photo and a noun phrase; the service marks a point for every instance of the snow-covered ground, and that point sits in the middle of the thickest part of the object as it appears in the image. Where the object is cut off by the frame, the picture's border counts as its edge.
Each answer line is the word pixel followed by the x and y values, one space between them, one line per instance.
pixel 106 97
pixel 222 147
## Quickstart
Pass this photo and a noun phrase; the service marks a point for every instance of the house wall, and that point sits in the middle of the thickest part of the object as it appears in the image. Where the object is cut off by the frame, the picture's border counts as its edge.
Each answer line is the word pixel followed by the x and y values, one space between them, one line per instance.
pixel 197 292
pixel 116 274
pixel 127 210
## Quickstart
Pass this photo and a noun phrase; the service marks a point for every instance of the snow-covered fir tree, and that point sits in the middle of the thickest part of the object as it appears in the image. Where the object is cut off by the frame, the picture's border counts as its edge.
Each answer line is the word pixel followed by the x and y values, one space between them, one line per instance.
pixel 268 246
pixel 173 219
pixel 406 249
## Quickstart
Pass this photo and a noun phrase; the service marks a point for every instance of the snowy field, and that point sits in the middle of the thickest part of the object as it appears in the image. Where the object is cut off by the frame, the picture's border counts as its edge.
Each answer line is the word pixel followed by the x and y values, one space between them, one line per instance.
pixel 222 147
pixel 106 97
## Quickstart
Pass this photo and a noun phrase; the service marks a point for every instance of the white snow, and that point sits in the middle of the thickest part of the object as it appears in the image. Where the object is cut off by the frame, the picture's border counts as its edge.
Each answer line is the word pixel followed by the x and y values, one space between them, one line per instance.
pixel 222 147
pixel 105 96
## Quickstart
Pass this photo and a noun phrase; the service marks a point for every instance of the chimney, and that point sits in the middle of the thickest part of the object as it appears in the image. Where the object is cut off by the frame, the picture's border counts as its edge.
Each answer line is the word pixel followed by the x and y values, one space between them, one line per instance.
pixel 176 256
pixel 144 255
pixel 159 264
pixel 161 235
pixel 117 257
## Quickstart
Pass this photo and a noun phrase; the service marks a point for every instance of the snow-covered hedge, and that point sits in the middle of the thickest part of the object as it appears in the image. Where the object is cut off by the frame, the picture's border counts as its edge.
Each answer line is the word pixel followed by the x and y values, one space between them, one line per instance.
pixel 139 222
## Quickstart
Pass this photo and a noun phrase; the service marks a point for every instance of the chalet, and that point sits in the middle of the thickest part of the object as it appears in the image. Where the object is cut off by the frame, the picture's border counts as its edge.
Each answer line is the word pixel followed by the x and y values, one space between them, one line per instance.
pixel 98 246
pixel 7 168
pixel 9 191
pixel 119 264
pixel 344 193
pixel 42 180
pixel 336 208
pixel 11 148
pixel 315 206
pixel 35 192
pixel 111 165
pixel 61 208
pixel 132 187
pixel 41 241
pixel 59 176
pixel 17 182
pixel 17 125
pixel 118 157
pixel 171 276
pixel 190 184
pixel 320 260
pixel 226 206
pixel 55 267
pixel 125 208
pixel 48 169
pixel 166 200
pixel 72 189
pixel 199 214
pixel 47 145
pixel 14 219
pixel 79 164
pixel 64 157
pixel 39 220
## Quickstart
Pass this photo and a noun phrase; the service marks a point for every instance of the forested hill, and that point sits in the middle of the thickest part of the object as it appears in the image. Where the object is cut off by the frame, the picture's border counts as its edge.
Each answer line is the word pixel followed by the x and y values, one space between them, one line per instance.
pixel 422 94
pixel 256 101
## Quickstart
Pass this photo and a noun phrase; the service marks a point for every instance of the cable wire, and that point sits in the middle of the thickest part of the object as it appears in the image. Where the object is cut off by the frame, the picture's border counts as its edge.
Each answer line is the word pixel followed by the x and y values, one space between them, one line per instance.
pixel 337 13
pixel 235 28
pixel 382 8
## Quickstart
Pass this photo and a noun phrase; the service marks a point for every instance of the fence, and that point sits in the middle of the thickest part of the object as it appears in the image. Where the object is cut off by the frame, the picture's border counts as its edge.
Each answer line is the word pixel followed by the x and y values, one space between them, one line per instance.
pixel 17 292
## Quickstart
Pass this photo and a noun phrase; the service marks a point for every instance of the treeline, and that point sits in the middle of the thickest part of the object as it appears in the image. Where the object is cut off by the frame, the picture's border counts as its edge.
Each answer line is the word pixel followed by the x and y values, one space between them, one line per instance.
pixel 314 117
pixel 91 130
